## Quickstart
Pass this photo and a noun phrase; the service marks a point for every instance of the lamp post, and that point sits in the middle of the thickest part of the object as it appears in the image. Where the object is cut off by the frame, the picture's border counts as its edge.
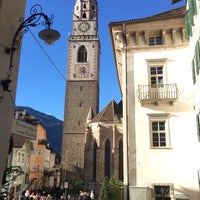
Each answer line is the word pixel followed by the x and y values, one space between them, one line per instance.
pixel 48 35
pixel 10 57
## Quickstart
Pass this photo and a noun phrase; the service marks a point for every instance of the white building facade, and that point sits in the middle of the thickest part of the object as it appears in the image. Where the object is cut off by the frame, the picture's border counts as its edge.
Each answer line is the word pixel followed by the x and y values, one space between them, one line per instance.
pixel 161 146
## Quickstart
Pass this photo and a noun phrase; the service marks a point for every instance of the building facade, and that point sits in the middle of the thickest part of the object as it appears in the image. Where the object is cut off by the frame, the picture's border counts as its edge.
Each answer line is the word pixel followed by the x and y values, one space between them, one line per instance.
pixel 153 63
pixel 9 22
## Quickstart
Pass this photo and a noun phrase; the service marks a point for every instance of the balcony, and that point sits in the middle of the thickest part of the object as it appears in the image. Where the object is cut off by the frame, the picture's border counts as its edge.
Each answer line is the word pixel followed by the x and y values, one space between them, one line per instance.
pixel 157 93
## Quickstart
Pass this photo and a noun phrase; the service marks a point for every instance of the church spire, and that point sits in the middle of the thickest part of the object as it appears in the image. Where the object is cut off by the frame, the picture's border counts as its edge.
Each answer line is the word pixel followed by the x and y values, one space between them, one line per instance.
pixel 90 115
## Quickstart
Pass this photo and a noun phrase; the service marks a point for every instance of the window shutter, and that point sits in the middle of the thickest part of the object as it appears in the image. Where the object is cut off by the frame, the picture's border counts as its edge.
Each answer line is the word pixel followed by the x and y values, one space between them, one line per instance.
pixel 192 7
pixel 193 72
pixel 198 126
pixel 197 57
pixel 188 26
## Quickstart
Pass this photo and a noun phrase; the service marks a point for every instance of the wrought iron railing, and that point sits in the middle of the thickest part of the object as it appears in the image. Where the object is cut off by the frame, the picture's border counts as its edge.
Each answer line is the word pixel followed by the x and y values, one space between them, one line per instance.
pixel 157 92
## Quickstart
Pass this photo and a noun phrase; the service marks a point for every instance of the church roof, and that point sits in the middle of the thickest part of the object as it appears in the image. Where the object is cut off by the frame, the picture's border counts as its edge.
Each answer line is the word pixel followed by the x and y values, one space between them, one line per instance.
pixel 181 11
pixel 111 113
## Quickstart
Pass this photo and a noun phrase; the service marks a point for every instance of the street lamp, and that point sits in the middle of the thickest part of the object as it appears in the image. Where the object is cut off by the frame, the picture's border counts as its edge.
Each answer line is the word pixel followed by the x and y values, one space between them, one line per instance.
pixel 48 35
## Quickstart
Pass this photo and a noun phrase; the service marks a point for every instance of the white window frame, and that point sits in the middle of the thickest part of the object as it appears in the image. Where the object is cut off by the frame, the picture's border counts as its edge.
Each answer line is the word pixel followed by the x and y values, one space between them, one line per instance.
pixel 159 118
pixel 156 40
pixel 162 62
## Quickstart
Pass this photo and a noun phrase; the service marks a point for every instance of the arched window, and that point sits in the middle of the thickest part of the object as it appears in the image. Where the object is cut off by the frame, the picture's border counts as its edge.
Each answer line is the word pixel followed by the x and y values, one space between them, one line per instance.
pixel 121 160
pixel 94 161
pixel 107 159
pixel 82 54
pixel 84 15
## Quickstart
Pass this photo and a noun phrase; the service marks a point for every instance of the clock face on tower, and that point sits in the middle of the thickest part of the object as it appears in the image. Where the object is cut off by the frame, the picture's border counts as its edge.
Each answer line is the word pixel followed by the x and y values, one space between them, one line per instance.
pixel 82 71
pixel 84 26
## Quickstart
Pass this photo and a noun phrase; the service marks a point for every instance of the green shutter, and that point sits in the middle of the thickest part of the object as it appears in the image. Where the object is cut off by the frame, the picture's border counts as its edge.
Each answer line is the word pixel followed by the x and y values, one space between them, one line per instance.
pixel 197 61
pixel 188 26
pixel 193 72
pixel 198 126
pixel 192 7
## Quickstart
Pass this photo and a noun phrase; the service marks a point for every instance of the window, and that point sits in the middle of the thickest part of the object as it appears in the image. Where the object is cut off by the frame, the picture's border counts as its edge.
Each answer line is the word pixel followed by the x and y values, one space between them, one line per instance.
pixel 37 168
pixel 82 54
pixel 155 40
pixel 121 160
pixel 156 76
pixel 18 157
pixel 22 158
pixel 162 192
pixel 84 15
pixel 39 152
pixel 159 132
pixel 107 159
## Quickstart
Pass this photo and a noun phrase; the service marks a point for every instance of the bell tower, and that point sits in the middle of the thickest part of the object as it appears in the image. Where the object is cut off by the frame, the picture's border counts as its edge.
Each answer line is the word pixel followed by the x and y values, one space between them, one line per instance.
pixel 82 86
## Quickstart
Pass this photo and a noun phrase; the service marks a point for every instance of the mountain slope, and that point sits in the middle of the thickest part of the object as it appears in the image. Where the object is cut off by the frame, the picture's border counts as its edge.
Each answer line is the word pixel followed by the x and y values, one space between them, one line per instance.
pixel 53 126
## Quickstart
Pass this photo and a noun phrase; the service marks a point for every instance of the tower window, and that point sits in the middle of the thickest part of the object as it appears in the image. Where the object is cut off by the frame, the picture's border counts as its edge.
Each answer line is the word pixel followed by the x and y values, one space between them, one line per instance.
pixel 82 54
pixel 84 15
pixel 93 8
pixel 84 6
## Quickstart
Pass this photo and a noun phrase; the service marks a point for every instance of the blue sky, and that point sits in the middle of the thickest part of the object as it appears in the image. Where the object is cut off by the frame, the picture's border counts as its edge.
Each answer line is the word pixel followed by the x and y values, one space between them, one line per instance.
pixel 41 81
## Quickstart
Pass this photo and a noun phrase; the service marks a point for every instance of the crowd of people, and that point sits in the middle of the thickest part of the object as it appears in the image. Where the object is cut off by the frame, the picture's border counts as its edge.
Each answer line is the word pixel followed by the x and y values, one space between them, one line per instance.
pixel 86 195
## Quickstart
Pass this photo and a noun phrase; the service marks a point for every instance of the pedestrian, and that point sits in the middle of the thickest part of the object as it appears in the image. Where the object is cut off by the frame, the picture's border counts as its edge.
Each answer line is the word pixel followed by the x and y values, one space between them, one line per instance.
pixel 92 195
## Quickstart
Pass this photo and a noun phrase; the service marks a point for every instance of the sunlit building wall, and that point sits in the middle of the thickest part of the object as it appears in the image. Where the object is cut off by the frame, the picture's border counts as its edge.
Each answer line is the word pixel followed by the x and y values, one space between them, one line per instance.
pixel 161 145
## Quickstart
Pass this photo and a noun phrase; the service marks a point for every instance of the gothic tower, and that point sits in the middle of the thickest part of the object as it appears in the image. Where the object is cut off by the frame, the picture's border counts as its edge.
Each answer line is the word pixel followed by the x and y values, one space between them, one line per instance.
pixel 82 87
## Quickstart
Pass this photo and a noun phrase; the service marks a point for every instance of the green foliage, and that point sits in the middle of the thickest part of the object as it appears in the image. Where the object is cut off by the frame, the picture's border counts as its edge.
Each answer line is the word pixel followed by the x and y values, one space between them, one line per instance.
pixel 74 184
pixel 111 189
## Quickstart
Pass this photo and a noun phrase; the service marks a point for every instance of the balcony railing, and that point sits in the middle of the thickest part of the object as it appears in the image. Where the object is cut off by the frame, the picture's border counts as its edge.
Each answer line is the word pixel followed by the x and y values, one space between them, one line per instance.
pixel 156 93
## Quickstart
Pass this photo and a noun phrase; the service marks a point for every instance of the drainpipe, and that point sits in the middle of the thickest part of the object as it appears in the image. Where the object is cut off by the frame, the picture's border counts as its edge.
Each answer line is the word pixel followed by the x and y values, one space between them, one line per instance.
pixel 125 110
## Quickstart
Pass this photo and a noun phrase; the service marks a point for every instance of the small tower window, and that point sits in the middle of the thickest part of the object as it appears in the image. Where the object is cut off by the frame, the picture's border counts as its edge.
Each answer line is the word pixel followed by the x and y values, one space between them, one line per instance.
pixel 84 6
pixel 82 54
pixel 84 15
pixel 93 8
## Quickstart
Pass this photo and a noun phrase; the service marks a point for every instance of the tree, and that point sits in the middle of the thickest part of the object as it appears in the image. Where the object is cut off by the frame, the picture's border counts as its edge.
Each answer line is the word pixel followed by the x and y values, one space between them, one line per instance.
pixel 111 189
pixel 75 184
pixel 10 175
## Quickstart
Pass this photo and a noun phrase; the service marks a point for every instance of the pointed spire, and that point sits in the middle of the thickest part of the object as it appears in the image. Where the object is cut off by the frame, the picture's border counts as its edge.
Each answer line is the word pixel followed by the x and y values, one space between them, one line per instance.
pixel 90 115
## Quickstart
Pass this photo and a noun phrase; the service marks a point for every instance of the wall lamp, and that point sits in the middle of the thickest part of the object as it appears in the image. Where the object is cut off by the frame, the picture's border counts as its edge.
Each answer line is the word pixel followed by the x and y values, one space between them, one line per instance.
pixel 48 35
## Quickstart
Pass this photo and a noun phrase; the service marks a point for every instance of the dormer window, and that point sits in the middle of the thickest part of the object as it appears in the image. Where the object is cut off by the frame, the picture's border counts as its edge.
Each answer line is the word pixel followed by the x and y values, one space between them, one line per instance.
pixel 155 40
